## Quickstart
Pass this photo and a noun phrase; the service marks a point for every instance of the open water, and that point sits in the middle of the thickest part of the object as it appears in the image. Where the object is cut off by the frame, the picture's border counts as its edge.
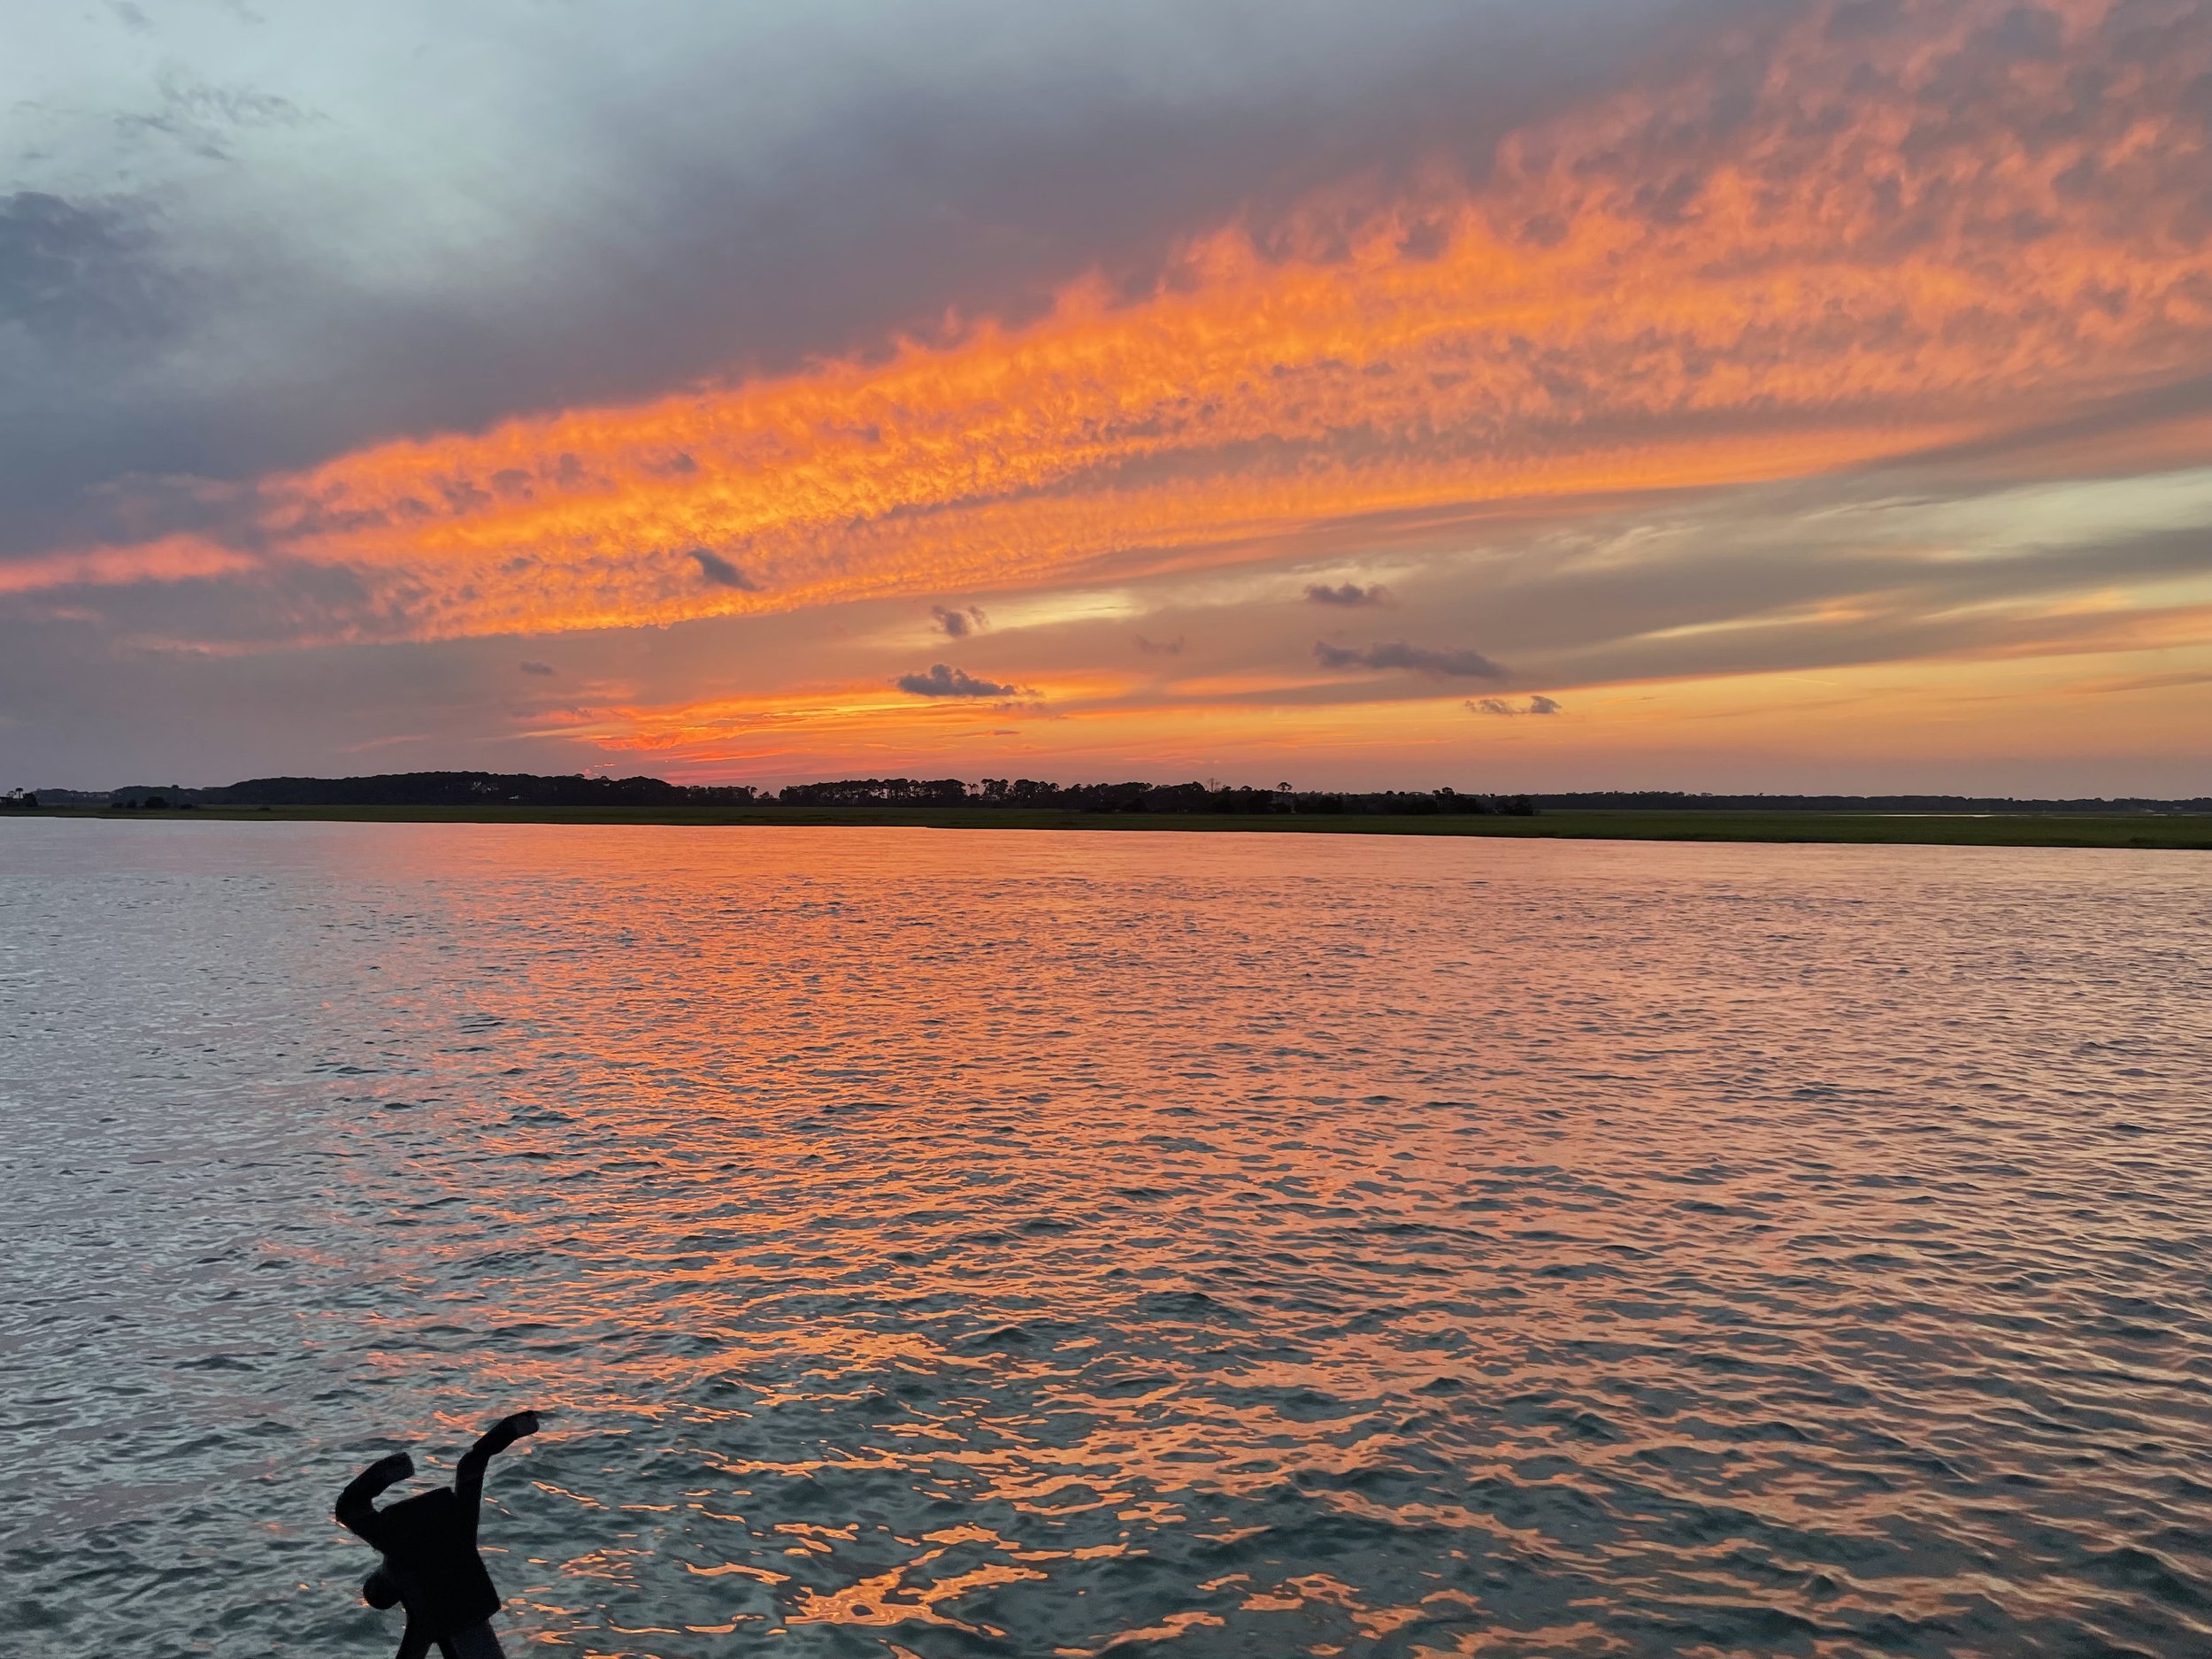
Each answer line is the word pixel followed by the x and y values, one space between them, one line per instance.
pixel 946 1243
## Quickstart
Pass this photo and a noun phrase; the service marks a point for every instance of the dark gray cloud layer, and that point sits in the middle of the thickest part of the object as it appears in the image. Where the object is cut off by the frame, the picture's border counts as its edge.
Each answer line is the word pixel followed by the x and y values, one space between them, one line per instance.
pixel 75 272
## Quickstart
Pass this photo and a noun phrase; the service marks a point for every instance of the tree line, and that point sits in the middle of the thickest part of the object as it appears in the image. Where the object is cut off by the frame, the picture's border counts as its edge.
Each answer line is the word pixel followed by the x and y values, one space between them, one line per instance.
pixel 1143 798
pixel 532 790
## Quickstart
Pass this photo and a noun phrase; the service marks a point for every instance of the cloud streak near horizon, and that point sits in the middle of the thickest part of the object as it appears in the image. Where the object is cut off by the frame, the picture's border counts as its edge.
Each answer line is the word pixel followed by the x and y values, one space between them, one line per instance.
pixel 1830 248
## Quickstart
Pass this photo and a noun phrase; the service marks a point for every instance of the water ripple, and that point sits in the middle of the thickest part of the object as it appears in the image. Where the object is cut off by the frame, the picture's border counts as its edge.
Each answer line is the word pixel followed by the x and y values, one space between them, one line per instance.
pixel 977 1243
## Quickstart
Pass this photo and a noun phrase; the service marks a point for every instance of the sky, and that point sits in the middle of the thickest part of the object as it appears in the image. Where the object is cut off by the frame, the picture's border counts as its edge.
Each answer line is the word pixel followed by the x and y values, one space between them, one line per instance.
pixel 1613 393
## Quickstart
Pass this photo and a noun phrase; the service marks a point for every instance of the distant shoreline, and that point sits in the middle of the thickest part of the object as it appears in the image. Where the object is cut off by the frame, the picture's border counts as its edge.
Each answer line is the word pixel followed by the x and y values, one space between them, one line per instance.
pixel 2176 832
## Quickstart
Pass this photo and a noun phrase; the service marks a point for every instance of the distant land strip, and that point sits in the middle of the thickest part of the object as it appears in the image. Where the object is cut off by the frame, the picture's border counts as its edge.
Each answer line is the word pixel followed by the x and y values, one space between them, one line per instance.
pixel 1026 804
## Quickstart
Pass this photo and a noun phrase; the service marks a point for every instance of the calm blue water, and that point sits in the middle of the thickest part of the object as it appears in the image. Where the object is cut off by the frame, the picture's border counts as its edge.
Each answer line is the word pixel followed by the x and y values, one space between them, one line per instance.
pixel 945 1243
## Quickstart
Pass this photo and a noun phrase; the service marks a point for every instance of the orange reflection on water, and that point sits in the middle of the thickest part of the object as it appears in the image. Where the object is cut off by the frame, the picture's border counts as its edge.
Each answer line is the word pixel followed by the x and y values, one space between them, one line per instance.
pixel 1070 1242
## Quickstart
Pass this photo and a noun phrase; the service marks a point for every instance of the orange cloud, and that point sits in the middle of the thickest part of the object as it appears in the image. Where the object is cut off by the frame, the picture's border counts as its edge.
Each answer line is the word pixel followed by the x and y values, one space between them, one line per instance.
pixel 1817 249
pixel 173 559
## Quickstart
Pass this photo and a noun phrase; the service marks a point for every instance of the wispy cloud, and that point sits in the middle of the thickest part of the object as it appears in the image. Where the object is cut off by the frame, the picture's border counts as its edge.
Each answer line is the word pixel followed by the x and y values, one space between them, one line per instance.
pixel 1499 706
pixel 173 559
pixel 1461 663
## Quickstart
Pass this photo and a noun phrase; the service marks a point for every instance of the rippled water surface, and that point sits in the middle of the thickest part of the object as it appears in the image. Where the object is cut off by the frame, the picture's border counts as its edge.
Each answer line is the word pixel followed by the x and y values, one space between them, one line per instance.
pixel 941 1243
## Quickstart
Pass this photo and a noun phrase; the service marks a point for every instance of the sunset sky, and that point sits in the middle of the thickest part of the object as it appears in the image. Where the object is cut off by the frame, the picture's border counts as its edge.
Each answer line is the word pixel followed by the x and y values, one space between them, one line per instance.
pixel 1607 394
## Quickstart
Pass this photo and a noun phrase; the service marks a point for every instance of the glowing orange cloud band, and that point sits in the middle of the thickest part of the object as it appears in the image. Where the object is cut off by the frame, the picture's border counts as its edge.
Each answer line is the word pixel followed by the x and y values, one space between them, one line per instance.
pixel 173 559
pixel 1880 245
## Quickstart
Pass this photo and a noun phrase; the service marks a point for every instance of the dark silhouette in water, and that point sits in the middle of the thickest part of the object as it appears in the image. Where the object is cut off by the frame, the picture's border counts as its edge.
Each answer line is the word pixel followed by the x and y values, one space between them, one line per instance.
pixel 428 1543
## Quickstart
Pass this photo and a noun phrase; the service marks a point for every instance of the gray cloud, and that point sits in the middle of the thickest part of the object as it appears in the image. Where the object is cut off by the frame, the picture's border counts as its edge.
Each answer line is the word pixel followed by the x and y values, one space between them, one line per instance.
pixel 721 572
pixel 201 116
pixel 957 624
pixel 1397 653
pixel 1161 647
pixel 71 269
pixel 535 668
pixel 1501 706
pixel 1349 594
pixel 941 681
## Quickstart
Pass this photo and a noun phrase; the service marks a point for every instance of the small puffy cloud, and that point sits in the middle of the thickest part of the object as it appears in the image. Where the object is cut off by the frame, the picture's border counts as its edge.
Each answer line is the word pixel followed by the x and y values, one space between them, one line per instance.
pixel 957 624
pixel 535 668
pixel 721 572
pixel 1349 594
pixel 944 681
pixel 1464 665
pixel 1501 706
pixel 1161 647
